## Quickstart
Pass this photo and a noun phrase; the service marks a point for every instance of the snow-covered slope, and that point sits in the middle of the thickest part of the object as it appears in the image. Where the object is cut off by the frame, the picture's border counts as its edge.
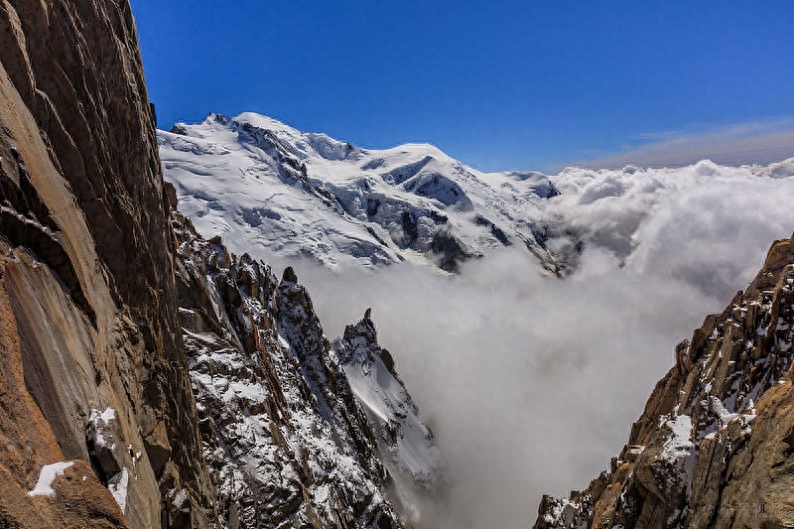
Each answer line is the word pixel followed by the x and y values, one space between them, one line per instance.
pixel 267 189
pixel 376 385
pixel 288 430
pixel 254 179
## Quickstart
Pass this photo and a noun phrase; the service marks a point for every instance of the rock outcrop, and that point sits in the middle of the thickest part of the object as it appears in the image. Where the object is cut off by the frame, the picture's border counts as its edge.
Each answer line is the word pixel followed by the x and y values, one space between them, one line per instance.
pixel 93 368
pixel 715 444
pixel 286 441
pixel 407 443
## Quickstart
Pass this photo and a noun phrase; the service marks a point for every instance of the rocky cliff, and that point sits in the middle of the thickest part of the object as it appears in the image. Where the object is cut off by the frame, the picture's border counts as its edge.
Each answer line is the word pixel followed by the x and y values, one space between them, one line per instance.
pixel 287 439
pixel 148 378
pixel 713 447
pixel 93 365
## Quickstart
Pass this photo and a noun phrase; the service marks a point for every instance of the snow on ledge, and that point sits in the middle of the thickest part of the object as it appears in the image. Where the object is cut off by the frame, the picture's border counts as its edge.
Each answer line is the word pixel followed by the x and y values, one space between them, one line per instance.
pixel 119 489
pixel 679 444
pixel 47 476
pixel 101 421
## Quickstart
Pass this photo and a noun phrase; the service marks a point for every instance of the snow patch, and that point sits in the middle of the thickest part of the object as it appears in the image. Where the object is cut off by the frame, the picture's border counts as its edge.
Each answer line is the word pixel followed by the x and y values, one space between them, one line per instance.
pixel 679 444
pixel 119 488
pixel 47 476
pixel 100 421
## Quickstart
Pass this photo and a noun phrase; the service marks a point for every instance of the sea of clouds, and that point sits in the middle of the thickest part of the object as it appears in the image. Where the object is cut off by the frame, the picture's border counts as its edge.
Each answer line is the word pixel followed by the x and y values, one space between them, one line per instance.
pixel 531 383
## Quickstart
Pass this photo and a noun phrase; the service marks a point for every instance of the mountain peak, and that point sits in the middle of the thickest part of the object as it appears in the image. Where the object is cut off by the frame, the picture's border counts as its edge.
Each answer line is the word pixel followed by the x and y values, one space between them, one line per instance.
pixel 264 122
pixel 309 195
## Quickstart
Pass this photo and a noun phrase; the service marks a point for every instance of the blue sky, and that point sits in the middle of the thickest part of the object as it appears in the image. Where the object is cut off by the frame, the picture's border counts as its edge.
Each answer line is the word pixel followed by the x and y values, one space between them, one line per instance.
pixel 497 84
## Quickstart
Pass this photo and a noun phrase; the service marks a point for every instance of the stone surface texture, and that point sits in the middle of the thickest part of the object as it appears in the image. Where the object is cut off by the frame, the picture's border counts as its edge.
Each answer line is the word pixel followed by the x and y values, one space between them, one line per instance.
pixel 715 444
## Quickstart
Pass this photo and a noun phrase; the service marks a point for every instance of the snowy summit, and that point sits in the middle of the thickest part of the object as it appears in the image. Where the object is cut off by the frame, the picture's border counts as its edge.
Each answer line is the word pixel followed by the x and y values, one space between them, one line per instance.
pixel 254 179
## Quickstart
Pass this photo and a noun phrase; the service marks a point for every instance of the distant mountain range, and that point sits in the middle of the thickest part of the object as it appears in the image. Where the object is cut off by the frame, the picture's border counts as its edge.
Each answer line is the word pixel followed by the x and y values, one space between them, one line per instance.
pixel 269 189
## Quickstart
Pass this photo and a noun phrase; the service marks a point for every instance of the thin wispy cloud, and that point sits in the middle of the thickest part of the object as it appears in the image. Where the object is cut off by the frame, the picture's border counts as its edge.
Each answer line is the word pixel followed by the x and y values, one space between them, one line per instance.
pixel 757 142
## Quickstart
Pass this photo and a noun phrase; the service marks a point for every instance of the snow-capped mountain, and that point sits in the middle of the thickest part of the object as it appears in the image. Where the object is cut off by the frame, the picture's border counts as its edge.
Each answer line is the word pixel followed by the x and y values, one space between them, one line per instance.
pixel 268 189
pixel 254 179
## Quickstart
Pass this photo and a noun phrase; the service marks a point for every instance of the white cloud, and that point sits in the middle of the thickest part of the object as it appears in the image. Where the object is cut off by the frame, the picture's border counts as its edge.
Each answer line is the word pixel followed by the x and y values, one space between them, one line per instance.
pixel 531 383
pixel 705 224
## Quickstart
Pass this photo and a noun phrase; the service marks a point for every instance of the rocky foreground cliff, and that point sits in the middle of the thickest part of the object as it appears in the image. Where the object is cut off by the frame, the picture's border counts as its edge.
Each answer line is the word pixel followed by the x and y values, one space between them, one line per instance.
pixel 715 444
pixel 148 378
pixel 94 370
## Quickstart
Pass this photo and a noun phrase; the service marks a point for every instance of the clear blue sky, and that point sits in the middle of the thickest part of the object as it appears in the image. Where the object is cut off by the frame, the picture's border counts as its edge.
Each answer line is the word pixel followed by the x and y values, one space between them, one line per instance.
pixel 497 84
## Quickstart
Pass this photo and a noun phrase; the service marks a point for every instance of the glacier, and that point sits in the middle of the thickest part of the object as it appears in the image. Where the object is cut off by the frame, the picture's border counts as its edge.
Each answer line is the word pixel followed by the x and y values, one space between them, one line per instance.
pixel 271 190
pixel 254 179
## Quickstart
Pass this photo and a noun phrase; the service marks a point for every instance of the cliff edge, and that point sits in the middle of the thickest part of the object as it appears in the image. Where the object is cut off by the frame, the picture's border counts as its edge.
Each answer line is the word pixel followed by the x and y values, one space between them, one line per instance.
pixel 93 369
pixel 715 444
pixel 149 378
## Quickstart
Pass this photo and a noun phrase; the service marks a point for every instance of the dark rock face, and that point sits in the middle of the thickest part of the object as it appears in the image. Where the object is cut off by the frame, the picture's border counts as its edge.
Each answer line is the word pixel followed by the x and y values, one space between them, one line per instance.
pixel 449 250
pixel 87 271
pixel 713 447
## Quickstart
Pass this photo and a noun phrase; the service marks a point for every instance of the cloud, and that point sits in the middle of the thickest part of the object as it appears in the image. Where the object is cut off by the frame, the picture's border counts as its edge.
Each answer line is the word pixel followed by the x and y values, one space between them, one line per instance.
pixel 706 224
pixel 760 142
pixel 531 383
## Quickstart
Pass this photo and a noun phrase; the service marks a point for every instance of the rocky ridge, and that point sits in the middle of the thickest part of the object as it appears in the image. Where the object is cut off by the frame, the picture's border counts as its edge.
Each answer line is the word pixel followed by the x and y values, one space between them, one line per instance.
pixel 285 437
pixel 713 447
pixel 406 443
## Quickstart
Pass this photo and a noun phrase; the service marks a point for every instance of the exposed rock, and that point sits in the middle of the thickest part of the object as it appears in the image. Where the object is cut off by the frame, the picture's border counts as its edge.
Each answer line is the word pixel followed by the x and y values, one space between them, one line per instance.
pixel 287 443
pixel 86 279
pixel 713 447
pixel 449 250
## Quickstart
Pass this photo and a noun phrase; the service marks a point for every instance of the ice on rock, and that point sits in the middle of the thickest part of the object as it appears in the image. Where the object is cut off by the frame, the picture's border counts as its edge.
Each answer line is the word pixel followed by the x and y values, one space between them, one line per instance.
pixel 47 476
